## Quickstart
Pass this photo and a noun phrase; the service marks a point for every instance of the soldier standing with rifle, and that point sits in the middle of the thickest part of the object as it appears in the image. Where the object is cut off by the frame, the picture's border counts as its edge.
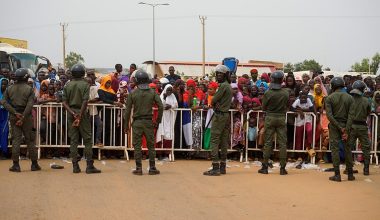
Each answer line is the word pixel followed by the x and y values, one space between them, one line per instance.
pixel 275 104
pixel 141 100
pixel 18 100
pixel 337 106
pixel 75 97
pixel 220 122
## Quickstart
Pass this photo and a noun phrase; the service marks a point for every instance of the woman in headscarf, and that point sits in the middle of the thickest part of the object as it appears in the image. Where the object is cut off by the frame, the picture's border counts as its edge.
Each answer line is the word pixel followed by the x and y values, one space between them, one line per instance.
pixel 193 98
pixel 107 95
pixel 165 132
pixel 237 97
pixel 4 127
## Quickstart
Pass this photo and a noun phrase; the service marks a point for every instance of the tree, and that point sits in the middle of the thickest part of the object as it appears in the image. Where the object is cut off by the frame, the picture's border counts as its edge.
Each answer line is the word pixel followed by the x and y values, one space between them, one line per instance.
pixel 308 65
pixel 288 68
pixel 366 65
pixel 73 58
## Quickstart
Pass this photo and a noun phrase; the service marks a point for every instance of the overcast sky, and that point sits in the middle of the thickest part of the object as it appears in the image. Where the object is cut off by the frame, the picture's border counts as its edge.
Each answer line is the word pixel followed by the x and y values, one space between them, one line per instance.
pixel 336 33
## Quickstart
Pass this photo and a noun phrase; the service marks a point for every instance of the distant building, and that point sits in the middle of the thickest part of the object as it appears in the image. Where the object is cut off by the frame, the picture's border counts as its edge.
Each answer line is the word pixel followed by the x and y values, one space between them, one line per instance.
pixel 194 69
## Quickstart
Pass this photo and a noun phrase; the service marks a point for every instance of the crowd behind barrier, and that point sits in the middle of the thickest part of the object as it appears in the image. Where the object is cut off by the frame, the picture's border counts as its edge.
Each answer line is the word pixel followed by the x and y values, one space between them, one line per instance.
pixel 187 122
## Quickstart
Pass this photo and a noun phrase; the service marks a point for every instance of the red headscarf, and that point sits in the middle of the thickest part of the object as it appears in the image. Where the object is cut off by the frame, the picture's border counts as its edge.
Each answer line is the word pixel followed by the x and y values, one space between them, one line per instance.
pixel 247 99
pixel 266 77
pixel 257 101
pixel 191 83
pixel 242 81
pixel 213 85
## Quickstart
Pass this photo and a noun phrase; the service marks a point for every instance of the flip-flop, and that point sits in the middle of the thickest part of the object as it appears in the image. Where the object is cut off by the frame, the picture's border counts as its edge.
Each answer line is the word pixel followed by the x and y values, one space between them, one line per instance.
pixel 56 166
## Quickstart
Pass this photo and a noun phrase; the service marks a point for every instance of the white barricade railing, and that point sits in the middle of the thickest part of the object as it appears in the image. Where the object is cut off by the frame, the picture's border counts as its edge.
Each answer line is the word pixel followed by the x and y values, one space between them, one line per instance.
pixel 372 126
pixel 52 131
pixel 260 115
pixel 159 146
pixel 198 125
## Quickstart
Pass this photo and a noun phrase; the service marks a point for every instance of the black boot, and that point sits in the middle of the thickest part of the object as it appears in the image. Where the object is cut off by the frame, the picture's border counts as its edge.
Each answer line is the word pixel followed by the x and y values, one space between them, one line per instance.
pixel 215 171
pixel 138 170
pixel 90 167
pixel 283 171
pixel 152 168
pixel 35 166
pixel 350 174
pixel 76 168
pixel 366 168
pixel 15 167
pixel 223 168
pixel 264 169
pixel 336 177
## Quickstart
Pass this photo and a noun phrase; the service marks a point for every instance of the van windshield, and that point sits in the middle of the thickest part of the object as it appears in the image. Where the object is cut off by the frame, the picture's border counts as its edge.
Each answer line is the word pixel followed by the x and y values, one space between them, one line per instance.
pixel 27 60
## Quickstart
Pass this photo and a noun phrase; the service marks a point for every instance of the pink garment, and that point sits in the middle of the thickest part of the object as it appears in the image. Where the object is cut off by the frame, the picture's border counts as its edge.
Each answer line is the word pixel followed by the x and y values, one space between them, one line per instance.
pixel 299 136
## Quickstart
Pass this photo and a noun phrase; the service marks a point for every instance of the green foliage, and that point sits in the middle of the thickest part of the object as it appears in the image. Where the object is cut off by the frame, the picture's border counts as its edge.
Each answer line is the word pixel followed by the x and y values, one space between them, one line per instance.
pixel 308 65
pixel 288 68
pixel 366 65
pixel 73 58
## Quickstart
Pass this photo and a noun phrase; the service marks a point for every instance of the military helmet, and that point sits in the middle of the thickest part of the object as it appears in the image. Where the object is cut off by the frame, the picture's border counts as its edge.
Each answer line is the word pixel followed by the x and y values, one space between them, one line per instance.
pixel 21 74
pixel 336 82
pixel 358 87
pixel 142 77
pixel 277 78
pixel 78 70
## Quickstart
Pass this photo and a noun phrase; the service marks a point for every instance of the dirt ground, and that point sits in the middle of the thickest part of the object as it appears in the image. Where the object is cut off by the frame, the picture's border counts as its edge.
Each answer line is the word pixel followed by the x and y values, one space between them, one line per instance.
pixel 182 192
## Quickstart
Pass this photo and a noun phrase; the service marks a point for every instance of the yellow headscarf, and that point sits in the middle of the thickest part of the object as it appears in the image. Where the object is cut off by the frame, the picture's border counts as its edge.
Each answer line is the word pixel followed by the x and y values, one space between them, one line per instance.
pixel 103 82
pixel 318 99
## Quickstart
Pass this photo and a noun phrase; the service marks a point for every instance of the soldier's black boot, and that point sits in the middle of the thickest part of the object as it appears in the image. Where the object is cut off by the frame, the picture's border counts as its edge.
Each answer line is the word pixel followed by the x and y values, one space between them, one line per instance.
pixel 336 177
pixel 223 168
pixel 264 169
pixel 76 168
pixel 283 171
pixel 138 170
pixel 15 167
pixel 366 168
pixel 152 168
pixel 215 171
pixel 350 174
pixel 90 167
pixel 35 166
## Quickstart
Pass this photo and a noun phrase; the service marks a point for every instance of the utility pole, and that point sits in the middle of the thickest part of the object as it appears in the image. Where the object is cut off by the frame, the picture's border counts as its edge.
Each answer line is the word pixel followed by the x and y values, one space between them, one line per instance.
pixel 203 22
pixel 64 26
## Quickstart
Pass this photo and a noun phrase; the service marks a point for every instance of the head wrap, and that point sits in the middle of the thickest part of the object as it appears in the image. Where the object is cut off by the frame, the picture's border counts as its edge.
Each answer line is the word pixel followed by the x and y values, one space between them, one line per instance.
pixel 257 101
pixel 103 82
pixel 190 83
pixel 213 85
pixel 247 99
pixel 254 71
pixel 234 85
pixel 266 77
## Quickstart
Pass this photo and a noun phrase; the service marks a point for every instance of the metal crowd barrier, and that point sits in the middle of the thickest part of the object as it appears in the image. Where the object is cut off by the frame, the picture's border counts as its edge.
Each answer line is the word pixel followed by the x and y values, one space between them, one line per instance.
pixel 51 131
pixel 200 128
pixel 260 115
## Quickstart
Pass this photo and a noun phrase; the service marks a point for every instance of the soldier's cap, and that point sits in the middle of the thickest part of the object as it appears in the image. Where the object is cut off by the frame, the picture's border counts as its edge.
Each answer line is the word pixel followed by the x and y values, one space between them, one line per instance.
pixel 221 69
pixel 356 91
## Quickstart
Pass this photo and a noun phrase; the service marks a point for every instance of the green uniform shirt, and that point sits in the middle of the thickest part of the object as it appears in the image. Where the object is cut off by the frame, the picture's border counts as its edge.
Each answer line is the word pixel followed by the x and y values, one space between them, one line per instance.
pixel 75 93
pixel 359 111
pixel 337 106
pixel 276 101
pixel 223 96
pixel 142 101
pixel 18 98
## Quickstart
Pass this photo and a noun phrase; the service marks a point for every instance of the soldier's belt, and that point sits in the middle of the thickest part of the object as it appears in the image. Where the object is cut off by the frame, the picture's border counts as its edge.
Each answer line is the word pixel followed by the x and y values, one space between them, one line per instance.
pixel 359 122
pixel 19 109
pixel 142 118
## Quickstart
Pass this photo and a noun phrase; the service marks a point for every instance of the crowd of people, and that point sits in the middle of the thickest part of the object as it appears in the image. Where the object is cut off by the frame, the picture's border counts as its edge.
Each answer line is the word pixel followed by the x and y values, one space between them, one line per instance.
pixel 306 94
